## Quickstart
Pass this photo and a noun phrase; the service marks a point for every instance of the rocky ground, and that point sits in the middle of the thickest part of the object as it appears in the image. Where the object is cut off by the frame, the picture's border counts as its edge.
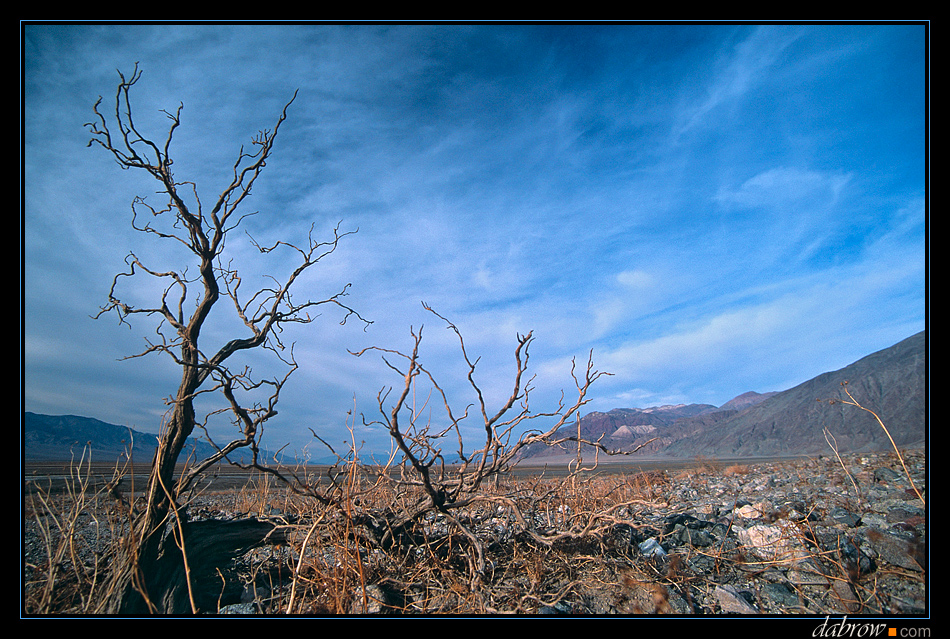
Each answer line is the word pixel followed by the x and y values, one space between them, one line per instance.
pixel 803 537
pixel 813 536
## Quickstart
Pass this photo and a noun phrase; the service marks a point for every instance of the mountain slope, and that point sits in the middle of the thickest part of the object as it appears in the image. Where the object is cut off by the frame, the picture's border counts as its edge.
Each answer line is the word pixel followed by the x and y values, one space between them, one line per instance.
pixel 64 437
pixel 745 400
pixel 628 428
pixel 891 382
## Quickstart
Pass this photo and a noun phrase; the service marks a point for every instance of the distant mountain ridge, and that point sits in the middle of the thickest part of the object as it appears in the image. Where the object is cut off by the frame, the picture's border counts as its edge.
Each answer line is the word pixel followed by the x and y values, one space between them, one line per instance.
pixel 746 400
pixel 892 382
pixel 654 427
pixel 65 437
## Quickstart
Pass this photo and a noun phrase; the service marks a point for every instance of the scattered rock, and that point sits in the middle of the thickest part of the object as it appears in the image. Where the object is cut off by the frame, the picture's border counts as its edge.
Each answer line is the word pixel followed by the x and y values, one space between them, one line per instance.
pixel 239 609
pixel 845 594
pixel 370 601
pixel 732 601
pixel 898 548
pixel 652 548
pixel 795 537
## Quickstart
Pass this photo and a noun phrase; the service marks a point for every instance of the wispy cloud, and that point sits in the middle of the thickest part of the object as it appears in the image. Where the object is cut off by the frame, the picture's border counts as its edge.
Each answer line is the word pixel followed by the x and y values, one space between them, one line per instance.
pixel 709 209
pixel 780 188
pixel 735 70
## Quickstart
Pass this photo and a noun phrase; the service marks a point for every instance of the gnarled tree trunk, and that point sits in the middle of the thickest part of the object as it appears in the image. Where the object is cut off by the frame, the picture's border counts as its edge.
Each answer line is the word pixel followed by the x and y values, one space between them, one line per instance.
pixel 143 567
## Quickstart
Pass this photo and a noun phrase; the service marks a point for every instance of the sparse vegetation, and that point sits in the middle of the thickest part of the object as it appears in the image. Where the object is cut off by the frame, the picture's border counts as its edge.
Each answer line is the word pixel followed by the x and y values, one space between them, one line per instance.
pixel 547 545
pixel 440 527
pixel 75 530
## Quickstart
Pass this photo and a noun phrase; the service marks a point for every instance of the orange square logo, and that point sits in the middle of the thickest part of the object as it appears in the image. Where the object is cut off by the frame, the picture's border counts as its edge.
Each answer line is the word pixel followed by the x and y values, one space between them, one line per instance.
pixel 892 632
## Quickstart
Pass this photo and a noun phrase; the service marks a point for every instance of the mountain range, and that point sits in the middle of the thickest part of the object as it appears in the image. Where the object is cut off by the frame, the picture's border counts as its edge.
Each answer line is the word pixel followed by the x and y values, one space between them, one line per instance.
pixel 892 382
pixel 69 437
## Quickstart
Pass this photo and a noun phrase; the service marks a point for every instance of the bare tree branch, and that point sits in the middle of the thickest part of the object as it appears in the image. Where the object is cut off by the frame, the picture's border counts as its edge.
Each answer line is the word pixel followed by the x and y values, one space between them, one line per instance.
pixel 182 315
pixel 506 432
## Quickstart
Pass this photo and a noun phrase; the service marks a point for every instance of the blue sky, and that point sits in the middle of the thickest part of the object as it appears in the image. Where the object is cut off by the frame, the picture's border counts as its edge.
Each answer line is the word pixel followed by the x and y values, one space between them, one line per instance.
pixel 710 209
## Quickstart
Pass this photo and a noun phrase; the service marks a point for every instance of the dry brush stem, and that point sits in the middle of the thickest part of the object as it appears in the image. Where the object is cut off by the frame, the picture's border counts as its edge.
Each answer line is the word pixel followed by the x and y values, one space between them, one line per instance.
pixel 851 401
pixel 453 490
pixel 73 528
pixel 833 443
pixel 57 527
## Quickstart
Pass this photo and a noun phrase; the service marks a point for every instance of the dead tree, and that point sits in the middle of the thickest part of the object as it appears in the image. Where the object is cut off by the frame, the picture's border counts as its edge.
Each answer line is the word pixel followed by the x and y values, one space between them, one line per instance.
pixel 420 464
pixel 180 314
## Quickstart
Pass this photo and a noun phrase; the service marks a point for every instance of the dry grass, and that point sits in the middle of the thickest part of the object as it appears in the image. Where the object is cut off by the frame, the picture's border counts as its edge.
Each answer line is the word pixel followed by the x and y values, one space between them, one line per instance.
pixel 73 529
pixel 548 546
pixel 736 469
pixel 329 562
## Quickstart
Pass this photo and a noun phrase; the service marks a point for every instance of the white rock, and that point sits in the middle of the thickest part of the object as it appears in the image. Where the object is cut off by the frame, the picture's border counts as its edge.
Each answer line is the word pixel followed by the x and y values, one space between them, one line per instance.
pixel 652 548
pixel 774 543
